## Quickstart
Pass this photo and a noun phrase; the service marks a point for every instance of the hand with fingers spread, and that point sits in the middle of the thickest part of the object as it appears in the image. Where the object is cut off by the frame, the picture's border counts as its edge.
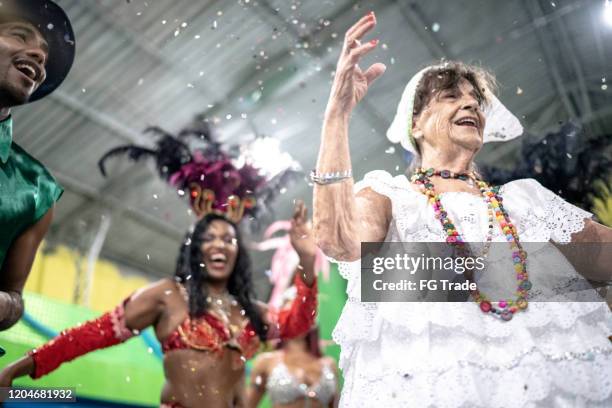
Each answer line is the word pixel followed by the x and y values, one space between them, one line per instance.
pixel 351 83
pixel 341 221
pixel 300 233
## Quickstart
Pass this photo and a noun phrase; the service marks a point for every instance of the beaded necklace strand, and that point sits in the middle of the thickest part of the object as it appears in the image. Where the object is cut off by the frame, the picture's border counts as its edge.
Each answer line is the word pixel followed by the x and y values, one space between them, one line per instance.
pixel 504 308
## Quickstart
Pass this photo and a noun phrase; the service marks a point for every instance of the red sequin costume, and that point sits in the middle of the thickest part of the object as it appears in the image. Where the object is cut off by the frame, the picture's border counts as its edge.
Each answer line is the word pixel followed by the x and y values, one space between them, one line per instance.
pixel 207 333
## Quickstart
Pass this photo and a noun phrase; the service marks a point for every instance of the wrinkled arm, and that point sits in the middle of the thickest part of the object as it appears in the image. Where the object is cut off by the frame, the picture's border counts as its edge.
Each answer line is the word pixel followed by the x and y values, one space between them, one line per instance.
pixel 342 220
pixel 16 268
pixel 338 223
pixel 592 256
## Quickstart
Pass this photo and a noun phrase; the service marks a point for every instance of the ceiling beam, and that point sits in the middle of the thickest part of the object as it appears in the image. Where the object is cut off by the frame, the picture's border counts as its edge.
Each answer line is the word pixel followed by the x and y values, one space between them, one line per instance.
pixel 283 58
pixel 108 14
pixel 101 119
pixel 535 14
pixel 419 23
pixel 91 195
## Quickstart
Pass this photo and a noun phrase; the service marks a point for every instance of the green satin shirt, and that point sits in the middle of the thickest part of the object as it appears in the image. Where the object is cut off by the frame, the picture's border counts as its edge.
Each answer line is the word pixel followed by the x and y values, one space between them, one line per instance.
pixel 27 189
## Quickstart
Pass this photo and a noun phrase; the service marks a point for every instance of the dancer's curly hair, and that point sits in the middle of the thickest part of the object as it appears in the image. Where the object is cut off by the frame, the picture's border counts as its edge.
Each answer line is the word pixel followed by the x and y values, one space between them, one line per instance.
pixel 193 275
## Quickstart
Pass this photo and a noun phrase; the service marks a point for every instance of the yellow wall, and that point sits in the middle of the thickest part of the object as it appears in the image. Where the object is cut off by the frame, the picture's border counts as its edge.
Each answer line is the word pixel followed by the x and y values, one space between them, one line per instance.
pixel 54 275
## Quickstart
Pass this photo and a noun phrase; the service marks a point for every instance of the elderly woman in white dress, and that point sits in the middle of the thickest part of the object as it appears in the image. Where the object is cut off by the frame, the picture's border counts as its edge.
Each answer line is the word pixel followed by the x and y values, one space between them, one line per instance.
pixel 501 349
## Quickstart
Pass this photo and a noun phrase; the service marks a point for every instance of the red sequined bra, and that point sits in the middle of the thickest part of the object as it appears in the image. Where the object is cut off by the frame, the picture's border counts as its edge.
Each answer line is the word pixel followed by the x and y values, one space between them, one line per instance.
pixel 205 333
pixel 208 333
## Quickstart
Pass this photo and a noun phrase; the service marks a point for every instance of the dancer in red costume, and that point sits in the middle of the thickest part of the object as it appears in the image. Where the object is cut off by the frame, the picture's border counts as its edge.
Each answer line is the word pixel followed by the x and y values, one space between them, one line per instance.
pixel 205 318
pixel 206 339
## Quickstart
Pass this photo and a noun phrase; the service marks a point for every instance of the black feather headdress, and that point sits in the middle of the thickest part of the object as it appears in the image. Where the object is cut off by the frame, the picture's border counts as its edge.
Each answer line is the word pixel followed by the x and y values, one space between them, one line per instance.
pixel 566 161
pixel 216 177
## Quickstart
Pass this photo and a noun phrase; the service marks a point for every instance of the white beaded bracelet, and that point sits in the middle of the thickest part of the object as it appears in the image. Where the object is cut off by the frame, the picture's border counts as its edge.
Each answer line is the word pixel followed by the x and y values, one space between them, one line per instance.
pixel 329 178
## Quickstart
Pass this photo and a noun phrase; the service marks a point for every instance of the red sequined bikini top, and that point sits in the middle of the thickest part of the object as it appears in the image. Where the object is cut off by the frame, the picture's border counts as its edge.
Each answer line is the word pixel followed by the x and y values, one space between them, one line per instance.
pixel 209 333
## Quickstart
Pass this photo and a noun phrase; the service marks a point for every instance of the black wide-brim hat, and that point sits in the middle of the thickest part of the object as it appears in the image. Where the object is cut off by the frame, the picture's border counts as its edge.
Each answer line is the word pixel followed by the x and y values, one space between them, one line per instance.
pixel 55 27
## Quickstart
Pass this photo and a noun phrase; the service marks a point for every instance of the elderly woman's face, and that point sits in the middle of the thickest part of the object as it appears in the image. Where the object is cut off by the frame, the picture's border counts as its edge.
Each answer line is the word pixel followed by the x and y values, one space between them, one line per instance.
pixel 454 116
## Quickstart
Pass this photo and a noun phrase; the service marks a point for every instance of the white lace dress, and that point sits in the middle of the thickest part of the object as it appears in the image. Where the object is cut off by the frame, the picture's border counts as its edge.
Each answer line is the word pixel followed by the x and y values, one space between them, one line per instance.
pixel 556 354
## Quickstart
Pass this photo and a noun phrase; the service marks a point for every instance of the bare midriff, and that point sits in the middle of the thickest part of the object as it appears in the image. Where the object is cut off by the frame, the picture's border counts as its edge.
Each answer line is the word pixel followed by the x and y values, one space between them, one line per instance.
pixel 200 378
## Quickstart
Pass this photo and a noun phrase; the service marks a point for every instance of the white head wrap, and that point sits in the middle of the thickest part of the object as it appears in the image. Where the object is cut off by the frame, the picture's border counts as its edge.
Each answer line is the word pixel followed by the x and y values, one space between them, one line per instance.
pixel 501 124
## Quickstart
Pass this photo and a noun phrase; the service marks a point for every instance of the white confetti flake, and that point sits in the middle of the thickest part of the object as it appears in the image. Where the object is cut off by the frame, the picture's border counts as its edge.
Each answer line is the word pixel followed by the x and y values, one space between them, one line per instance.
pixel 435 27
pixel 519 90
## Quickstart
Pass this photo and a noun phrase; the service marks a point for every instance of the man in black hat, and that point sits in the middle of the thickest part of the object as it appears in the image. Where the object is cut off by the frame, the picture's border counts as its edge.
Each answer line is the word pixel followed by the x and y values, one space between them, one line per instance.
pixel 36 53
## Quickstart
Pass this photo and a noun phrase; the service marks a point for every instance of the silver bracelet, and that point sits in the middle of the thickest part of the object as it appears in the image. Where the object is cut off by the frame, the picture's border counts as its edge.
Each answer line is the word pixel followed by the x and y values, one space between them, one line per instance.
pixel 329 178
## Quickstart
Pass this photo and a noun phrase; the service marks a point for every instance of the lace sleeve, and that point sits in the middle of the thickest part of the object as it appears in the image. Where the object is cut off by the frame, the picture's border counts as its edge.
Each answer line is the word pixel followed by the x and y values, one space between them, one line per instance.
pixel 545 212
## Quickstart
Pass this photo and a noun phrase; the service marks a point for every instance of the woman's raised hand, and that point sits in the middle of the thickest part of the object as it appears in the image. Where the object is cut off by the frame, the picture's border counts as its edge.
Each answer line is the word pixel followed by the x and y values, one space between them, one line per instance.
pixel 301 236
pixel 351 83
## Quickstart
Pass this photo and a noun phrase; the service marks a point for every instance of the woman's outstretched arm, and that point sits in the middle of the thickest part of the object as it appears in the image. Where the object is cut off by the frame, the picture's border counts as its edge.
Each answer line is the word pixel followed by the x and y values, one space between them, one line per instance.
pixel 136 313
pixel 590 251
pixel 341 220
pixel 296 319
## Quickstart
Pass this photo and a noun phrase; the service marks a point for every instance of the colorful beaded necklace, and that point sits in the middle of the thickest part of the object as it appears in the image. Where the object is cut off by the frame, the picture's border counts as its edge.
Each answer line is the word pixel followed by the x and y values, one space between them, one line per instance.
pixel 504 308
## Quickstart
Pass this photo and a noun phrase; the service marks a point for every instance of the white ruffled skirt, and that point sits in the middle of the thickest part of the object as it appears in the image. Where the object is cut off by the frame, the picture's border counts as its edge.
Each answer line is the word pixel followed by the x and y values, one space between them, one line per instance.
pixel 453 355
